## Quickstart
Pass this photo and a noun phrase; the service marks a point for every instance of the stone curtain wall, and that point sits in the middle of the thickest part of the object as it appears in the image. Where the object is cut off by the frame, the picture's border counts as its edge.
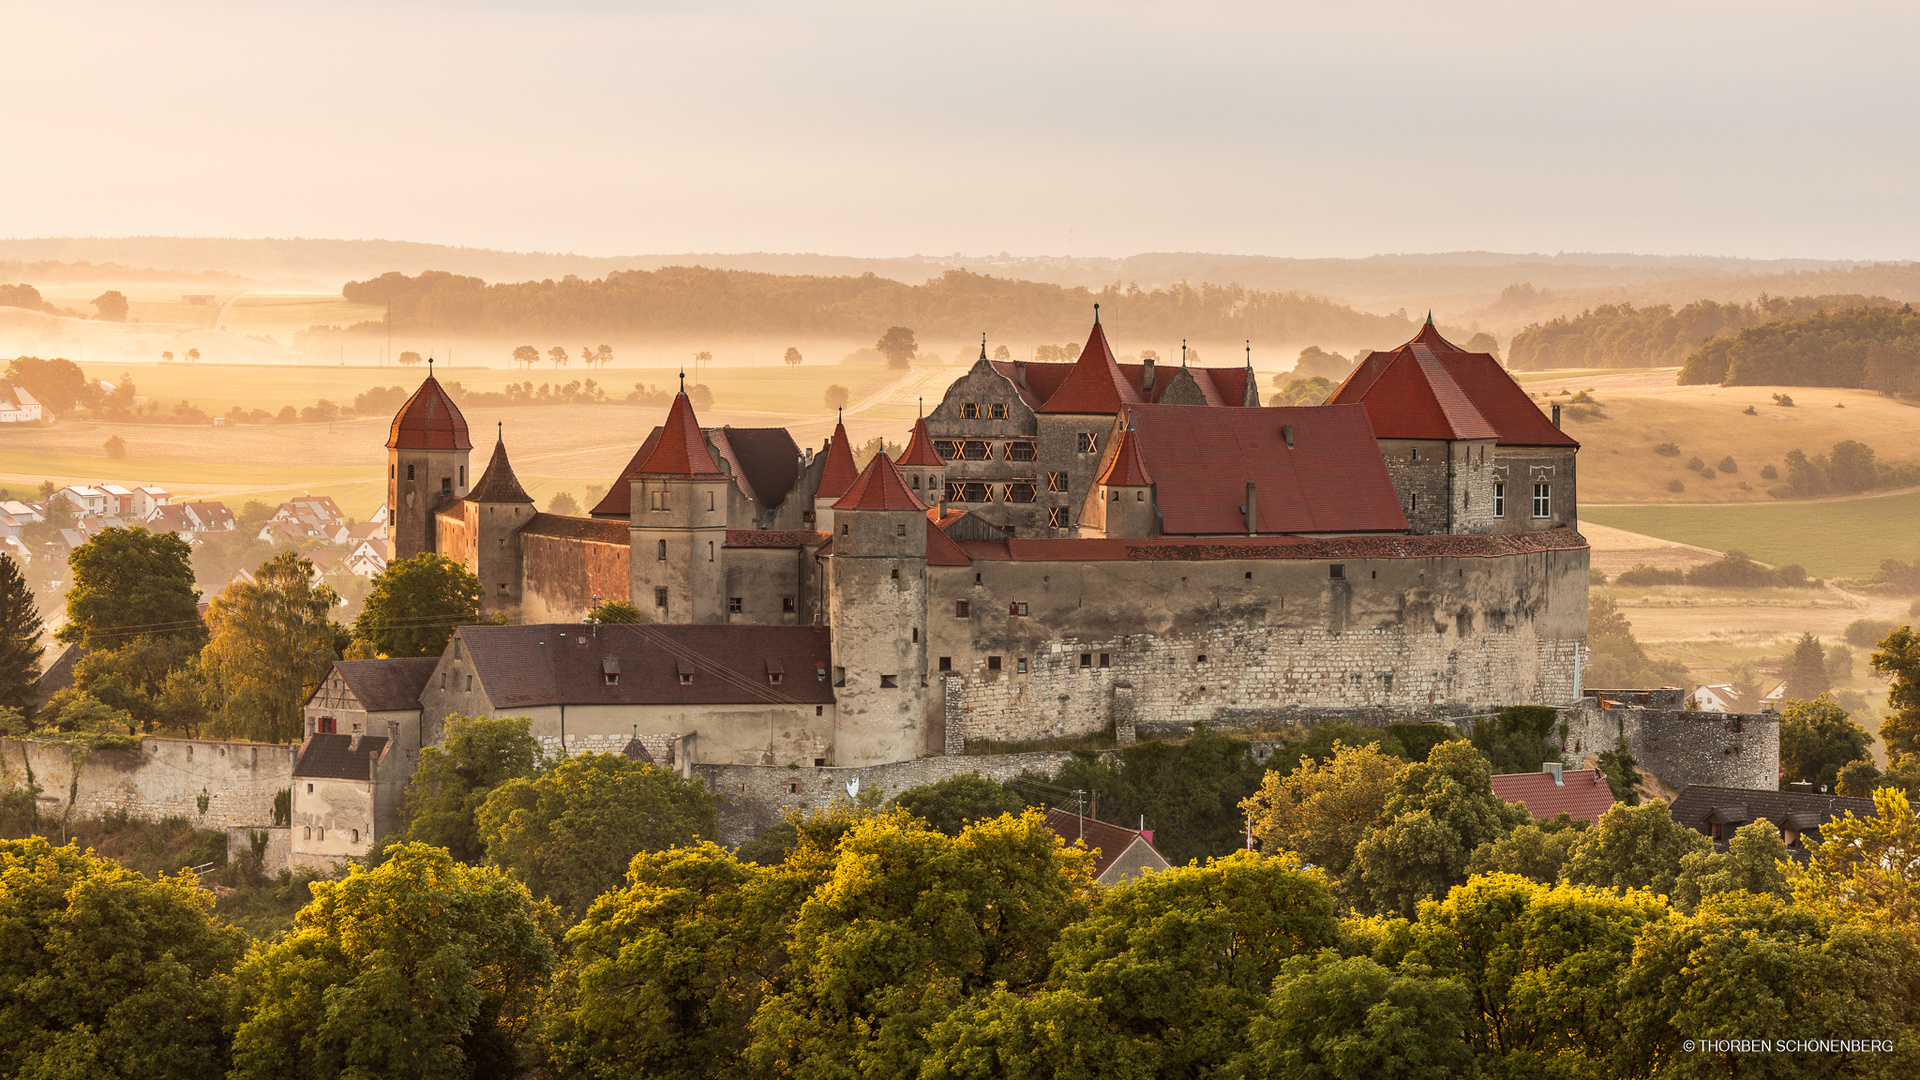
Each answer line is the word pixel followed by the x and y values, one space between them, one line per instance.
pixel 755 796
pixel 1740 750
pixel 163 778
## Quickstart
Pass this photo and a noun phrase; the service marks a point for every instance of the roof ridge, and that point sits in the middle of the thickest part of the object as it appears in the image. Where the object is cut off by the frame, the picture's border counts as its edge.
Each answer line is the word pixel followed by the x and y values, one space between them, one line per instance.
pixel 1096 384
pixel 682 449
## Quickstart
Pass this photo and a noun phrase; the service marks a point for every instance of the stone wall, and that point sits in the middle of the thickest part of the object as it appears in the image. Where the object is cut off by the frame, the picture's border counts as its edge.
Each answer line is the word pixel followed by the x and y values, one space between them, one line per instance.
pixel 562 575
pixel 1739 750
pixel 755 796
pixel 276 856
pixel 162 778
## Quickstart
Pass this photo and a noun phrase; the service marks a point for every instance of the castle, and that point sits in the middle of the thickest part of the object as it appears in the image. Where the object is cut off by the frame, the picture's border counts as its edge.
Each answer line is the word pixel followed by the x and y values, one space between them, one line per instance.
pixel 1060 548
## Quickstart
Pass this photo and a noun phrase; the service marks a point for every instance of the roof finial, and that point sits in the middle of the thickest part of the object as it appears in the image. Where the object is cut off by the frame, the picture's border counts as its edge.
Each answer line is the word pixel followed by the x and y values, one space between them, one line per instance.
pixel 840 415
pixel 1429 316
pixel 923 408
pixel 500 436
pixel 683 380
pixel 983 344
pixel 1096 314
pixel 429 367
pixel 1249 353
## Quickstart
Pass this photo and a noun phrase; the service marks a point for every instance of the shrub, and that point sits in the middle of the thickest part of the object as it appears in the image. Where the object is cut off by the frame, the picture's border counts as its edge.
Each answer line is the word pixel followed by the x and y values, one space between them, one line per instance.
pixel 1667 449
pixel 1749 411
pixel 1707 474
pixel 1676 486
pixel 1867 633
pixel 1694 464
pixel 1595 577
pixel 1783 400
pixel 1768 472
pixel 1642 576
pixel 837 397
pixel 1727 465
pixel 116 447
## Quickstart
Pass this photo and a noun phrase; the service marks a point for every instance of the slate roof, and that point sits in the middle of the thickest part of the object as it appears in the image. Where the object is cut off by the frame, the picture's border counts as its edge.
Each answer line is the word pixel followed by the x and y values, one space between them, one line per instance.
pixel 554 663
pixel 1410 400
pixel 391 685
pixel 1738 806
pixel 1109 842
pixel 681 450
pixel 1584 793
pixel 498 484
pixel 839 473
pixel 1331 479
pixel 335 757
pixel 880 487
pixel 429 421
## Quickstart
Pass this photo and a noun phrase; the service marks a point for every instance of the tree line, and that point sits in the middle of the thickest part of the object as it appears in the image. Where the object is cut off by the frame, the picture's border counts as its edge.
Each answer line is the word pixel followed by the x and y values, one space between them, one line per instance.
pixel 958 303
pixel 1620 335
pixel 1874 347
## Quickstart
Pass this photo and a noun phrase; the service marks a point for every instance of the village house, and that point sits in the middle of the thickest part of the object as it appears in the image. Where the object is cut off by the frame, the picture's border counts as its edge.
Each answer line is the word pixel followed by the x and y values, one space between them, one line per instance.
pixel 1120 854
pixel 1581 793
pixel 17 406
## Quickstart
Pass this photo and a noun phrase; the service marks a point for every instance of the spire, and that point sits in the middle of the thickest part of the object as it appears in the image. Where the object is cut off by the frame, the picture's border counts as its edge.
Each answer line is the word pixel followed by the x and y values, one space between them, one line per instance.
pixel 1183 352
pixel 839 472
pixel 1096 314
pixel 920 452
pixel 1429 316
pixel 880 487
pixel 682 448
pixel 983 344
pixel 498 484
pixel 683 380
pixel 1249 354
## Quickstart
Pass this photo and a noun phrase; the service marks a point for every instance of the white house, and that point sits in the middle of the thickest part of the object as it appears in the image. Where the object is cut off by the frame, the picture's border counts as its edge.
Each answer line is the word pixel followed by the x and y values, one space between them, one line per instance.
pixel 17 406
pixel 368 559
pixel 1718 697
pixel 148 499
pixel 87 501
pixel 1774 698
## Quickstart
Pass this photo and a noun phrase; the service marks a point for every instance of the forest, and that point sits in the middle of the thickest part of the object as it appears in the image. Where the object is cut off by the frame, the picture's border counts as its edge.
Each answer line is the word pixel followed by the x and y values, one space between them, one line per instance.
pixel 958 303
pixel 1620 335
pixel 1870 347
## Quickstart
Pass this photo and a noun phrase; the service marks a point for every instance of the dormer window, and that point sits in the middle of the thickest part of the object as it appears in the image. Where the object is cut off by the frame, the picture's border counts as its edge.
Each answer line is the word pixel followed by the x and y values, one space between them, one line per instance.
pixel 686 673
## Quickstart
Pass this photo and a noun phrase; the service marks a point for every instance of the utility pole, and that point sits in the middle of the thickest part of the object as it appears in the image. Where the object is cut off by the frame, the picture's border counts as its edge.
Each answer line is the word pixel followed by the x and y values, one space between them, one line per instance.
pixel 1079 805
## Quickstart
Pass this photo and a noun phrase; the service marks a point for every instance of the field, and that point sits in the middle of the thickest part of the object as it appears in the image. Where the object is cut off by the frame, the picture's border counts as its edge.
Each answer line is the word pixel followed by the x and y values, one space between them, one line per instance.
pixel 1842 538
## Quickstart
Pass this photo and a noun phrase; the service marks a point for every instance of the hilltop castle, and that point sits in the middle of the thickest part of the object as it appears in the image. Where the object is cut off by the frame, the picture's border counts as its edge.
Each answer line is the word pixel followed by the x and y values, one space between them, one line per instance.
pixel 1059 548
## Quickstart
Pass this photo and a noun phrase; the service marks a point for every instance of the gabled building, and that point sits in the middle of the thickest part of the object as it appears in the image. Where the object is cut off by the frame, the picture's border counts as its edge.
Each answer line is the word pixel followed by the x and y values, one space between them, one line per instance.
pixel 1120 854
pixel 361 747
pixel 1582 794
pixel 86 500
pixel 19 407
pixel 209 516
pixel 1719 812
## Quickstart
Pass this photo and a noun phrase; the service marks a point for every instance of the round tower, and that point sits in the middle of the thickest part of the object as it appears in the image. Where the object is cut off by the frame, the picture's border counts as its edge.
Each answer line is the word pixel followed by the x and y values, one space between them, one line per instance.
pixel 427 450
pixel 877 605
pixel 925 470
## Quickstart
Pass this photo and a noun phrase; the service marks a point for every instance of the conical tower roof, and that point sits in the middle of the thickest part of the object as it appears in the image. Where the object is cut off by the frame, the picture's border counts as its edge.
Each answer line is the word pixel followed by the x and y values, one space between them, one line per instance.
pixel 681 450
pixel 1127 469
pixel 1096 384
pixel 920 452
pixel 840 470
pixel 429 421
pixel 498 484
pixel 880 487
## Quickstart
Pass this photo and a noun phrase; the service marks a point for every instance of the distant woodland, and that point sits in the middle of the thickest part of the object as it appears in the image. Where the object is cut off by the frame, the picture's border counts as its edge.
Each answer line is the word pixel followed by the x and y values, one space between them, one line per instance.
pixel 1874 348
pixel 958 303
pixel 1620 335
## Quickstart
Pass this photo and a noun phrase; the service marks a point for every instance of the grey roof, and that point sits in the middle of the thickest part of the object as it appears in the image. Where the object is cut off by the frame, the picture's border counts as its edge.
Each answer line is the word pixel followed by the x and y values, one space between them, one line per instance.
pixel 553 663
pixel 56 676
pixel 335 757
pixel 1700 804
pixel 387 685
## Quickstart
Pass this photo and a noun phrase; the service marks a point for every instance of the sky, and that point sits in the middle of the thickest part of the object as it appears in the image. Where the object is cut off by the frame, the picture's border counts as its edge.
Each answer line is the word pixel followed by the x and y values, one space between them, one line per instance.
pixel 1346 128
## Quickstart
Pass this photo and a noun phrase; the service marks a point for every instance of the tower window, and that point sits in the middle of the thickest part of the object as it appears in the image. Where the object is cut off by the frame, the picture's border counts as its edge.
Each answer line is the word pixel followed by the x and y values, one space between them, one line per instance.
pixel 659 596
pixel 843 530
pixel 1337 571
pixel 1057 481
pixel 734 605
pixel 661 550
pixel 709 551
pixel 916 635
pixel 895 573
pixel 709 500
pixel 463 476
pixel 409 472
pixel 900 530
pixel 1089 443
pixel 1056 517
pixel 993 663
pixel 787 605
pixel 1413 504
pixel 1415 454
pixel 946 663
pixel 1020 666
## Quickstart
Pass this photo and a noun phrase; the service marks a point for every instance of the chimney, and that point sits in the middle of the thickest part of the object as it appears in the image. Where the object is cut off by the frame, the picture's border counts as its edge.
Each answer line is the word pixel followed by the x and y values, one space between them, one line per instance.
pixel 1553 769
pixel 1252 517
pixel 1802 787
pixel 1556 414
pixel 1286 432
pixel 1146 376
pixel 1020 372
pixel 353 741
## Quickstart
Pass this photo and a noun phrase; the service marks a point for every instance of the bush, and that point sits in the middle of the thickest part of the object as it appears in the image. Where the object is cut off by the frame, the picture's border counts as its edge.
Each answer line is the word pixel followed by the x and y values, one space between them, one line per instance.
pixel 837 397
pixel 1596 578
pixel 1667 449
pixel 1727 465
pixel 1707 474
pixel 1694 464
pixel 1676 486
pixel 116 447
pixel 1768 472
pixel 1643 576
pixel 1783 400
pixel 1867 633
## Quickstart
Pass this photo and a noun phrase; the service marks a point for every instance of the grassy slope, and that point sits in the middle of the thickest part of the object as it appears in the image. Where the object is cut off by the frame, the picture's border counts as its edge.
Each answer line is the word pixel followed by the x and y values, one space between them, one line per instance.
pixel 1830 539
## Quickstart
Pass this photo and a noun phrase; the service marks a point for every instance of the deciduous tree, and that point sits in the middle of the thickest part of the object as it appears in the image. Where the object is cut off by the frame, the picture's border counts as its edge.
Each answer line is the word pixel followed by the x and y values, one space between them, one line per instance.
pixel 129 582
pixel 409 358
pixel 1322 811
pixel 616 611
pixel 898 346
pixel 952 804
pixel 1634 847
pixel 1437 812
pixel 793 357
pixel 1898 658
pixel 1817 740
pixel 111 305
pixel 1190 794
pixel 416 604
pixel 1534 851
pixel 526 356
pixel 558 355
pixel 1335 1018
pixel 1755 860
pixel 453 780
pixel 272 642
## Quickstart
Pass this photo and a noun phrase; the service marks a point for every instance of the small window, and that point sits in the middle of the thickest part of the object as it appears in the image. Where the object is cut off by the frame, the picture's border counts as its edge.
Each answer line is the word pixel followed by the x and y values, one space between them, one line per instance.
pixel 843 529
pixel 1337 571
pixel 443 680
pixel 1106 660
pixel 787 605
pixel 993 663
pixel 1020 666
pixel 819 762
pixel 709 500
pixel 356 836
pixel 946 663
pixel 916 635
pixel 320 833
pixel 1056 517
pixel 456 648
pixel 1057 481
pixel 775 677
pixel 839 676
pixel 1249 575
pixel 1413 503
pixel 734 605
pixel 1499 500
pixel 463 483
pixel 969 411
pixel 1018 607
pixel 1415 454
pixel 1086 660
pixel 1018 491
pixel 309 789
pixel 660 551
pixel 901 529
pixel 659 596
pixel 1089 443
pixel 1200 659
pixel 889 681
pixel 976 450
pixel 309 832
pixel 1021 451
pixel 469 685
pixel 819 710
pixel 686 678
pixel 895 574
pixel 793 788
pixel 503 588
pixel 409 472
pixel 997 411
pixel 807 516
pixel 709 551
pixel 962 609
pixel 1542 500
pixel 612 677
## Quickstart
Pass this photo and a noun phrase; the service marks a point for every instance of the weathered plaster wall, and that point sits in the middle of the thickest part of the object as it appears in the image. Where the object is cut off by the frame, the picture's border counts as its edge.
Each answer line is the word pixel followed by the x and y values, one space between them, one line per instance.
pixel 1519 467
pixel 275 858
pixel 764 580
pixel 163 778
pixel 333 821
pixel 561 576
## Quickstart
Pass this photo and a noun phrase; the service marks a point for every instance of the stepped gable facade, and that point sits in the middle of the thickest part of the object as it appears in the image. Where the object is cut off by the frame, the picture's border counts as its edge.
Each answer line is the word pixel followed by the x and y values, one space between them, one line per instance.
pixel 1059 548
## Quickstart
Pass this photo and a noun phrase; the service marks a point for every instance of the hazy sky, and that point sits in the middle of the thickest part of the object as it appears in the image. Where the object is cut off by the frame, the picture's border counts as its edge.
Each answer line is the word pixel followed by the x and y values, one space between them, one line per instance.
pixel 1341 128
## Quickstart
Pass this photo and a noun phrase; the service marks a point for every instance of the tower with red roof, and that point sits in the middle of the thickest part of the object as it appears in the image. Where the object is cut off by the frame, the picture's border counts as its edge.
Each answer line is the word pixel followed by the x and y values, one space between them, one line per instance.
pixel 837 474
pixel 427 449
pixel 678 523
pixel 877 589
pixel 922 465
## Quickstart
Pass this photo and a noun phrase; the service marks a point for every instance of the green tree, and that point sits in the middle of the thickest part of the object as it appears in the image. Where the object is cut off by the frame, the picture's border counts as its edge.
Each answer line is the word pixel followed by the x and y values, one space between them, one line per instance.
pixel 910 923
pixel 1806 670
pixel 1535 851
pixel 1311 391
pixel 1862 868
pixel 58 384
pixel 952 804
pixel 569 832
pixel 1519 739
pixel 1437 812
pixel 615 611
pixel 1618 658
pixel 111 305
pixel 1755 860
pixel 271 644
pixel 1189 793
pixel 420 967
pixel 1321 740
pixel 453 780
pixel 1898 659
pixel 1622 771
pixel 131 582
pixel 1817 740
pixel 416 604
pixel 115 447
pixel 1321 811
pixel 526 356
pixel 1052 1035
pixel 1334 1018
pixel 20 648
pixel 1634 847
pixel 107 973
pixel 898 346
pixel 136 677
pixel 563 504
pixel 793 357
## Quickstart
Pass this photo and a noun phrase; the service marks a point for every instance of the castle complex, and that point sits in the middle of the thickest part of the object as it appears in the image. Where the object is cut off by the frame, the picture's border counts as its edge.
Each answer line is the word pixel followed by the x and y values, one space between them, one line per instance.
pixel 1059 549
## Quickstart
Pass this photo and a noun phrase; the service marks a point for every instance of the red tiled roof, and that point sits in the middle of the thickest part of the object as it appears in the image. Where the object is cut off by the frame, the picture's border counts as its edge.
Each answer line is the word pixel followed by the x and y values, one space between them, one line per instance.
pixel 943 550
pixel 839 472
pixel 1126 469
pixel 498 484
pixel 1332 479
pixel 880 487
pixel 1585 793
pixel 1095 384
pixel 1184 549
pixel 618 501
pixel 682 448
pixel 920 450
pixel 1391 385
pixel 1108 841
pixel 577 528
pixel 774 538
pixel 429 421
pixel 1220 386
pixel 553 663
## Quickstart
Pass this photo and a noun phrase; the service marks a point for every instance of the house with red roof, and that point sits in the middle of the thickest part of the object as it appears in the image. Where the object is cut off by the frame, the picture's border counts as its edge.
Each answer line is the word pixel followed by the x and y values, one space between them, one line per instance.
pixel 1581 793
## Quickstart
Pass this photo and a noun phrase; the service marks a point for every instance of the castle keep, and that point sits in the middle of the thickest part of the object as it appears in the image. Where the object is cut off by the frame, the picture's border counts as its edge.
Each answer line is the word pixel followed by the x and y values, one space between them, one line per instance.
pixel 1060 548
